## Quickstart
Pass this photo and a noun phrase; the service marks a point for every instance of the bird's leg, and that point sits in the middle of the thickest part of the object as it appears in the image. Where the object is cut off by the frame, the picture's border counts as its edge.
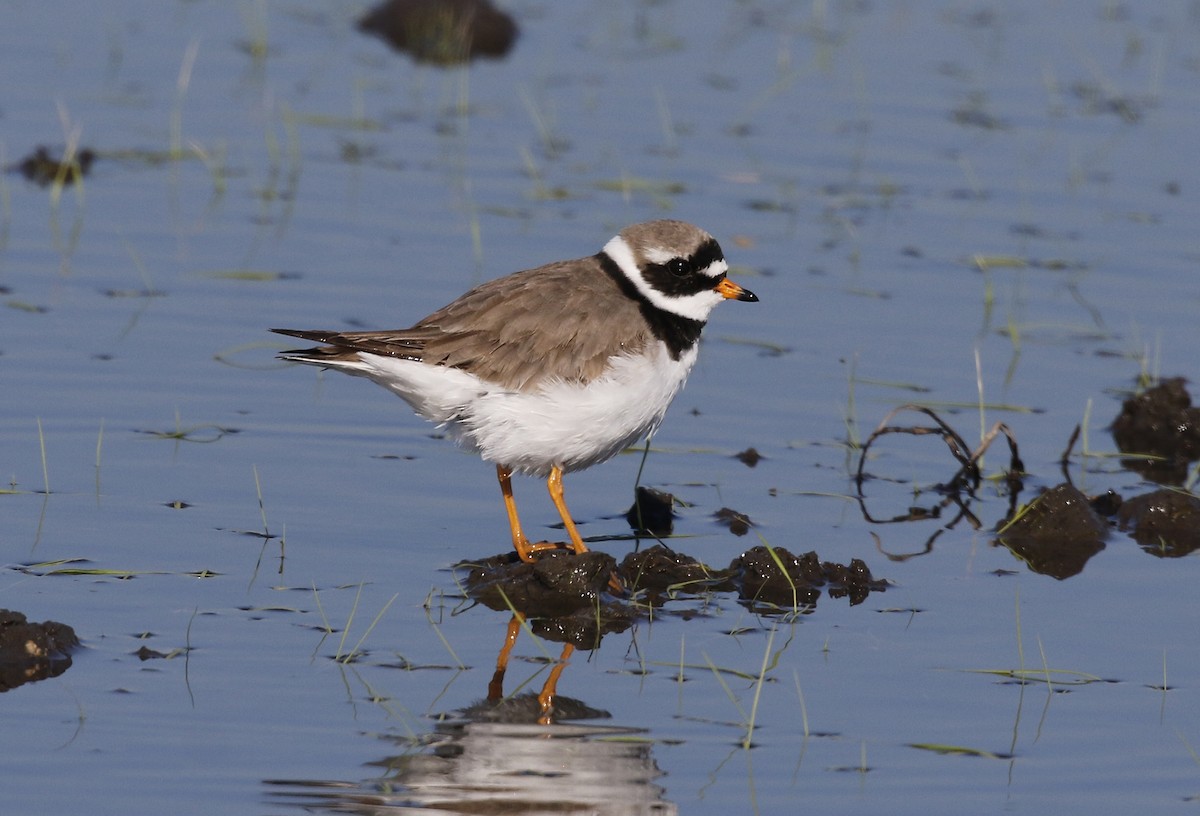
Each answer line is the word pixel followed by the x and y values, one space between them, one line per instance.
pixel 524 547
pixel 520 542
pixel 550 688
pixel 554 485
pixel 496 686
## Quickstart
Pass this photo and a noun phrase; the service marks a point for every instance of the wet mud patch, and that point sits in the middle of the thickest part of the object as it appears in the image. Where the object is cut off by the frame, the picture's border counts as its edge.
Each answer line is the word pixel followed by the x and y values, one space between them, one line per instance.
pixel 577 599
pixel 558 584
pixel 1057 533
pixel 736 521
pixel 44 168
pixel 442 32
pixel 652 512
pixel 32 651
pixel 1163 522
pixel 661 574
pixel 750 457
pixel 523 708
pixel 1162 427
pixel 773 579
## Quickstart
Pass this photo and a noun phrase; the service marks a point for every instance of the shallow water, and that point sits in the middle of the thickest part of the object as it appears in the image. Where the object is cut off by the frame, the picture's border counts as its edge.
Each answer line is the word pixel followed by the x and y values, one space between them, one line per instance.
pixel 930 202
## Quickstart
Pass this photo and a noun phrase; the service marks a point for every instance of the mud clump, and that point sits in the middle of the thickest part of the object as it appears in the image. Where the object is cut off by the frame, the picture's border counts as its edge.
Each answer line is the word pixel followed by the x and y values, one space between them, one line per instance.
pixel 765 576
pixel 44 169
pixel 775 577
pixel 557 584
pixel 442 32
pixel 32 651
pixel 738 522
pixel 584 627
pixel 1161 422
pixel 1164 523
pixel 661 573
pixel 750 457
pixel 522 708
pixel 652 512
pixel 576 599
pixel 1057 533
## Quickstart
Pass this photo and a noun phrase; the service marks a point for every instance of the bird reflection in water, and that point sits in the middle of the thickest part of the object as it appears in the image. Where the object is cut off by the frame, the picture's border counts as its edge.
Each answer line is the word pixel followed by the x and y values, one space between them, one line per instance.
pixel 529 753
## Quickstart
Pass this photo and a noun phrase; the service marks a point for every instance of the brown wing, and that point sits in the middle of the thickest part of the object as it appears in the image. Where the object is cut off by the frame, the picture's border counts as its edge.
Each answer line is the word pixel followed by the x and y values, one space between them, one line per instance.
pixel 563 320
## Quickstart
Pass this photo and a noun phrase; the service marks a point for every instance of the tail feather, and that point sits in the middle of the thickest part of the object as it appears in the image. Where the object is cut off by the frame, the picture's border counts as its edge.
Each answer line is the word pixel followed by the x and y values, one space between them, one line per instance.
pixel 342 348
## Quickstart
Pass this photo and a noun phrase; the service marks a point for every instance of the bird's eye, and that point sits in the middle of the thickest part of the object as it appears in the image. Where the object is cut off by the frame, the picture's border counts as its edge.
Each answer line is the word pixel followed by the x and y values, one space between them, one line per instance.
pixel 679 267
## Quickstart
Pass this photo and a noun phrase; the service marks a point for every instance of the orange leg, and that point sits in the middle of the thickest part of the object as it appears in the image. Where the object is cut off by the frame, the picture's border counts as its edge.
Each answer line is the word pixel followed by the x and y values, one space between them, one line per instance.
pixel 520 542
pixel 554 485
pixel 550 688
pixel 496 686
pixel 524 547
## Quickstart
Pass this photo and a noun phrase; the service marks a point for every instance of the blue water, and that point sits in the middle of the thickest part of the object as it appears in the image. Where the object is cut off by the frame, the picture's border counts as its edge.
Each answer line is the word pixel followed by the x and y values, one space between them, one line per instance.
pixel 926 199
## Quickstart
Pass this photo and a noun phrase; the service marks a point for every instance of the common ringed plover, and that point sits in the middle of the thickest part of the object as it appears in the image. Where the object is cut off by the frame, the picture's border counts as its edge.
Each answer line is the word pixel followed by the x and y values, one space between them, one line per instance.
pixel 553 369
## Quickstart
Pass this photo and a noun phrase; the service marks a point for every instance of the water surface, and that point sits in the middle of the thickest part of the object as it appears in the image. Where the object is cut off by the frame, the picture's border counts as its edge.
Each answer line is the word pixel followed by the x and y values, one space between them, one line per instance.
pixel 933 202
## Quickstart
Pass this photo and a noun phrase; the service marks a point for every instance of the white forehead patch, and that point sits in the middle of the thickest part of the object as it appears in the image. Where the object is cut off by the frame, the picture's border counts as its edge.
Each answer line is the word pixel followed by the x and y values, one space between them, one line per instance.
pixel 658 255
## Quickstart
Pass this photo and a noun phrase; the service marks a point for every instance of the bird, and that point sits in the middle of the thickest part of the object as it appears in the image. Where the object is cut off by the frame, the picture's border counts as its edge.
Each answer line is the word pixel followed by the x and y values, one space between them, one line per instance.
pixel 554 369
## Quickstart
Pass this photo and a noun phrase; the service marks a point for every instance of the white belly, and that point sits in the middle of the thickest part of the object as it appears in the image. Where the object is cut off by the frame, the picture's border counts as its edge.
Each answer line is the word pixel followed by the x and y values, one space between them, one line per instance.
pixel 565 424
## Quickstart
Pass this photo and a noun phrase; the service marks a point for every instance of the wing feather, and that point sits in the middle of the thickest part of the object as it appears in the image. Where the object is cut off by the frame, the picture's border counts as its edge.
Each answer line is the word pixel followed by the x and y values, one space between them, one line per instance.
pixel 561 321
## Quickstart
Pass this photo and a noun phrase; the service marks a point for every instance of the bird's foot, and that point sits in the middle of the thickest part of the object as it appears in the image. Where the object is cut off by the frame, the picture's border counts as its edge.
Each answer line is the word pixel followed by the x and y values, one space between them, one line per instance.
pixel 529 550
